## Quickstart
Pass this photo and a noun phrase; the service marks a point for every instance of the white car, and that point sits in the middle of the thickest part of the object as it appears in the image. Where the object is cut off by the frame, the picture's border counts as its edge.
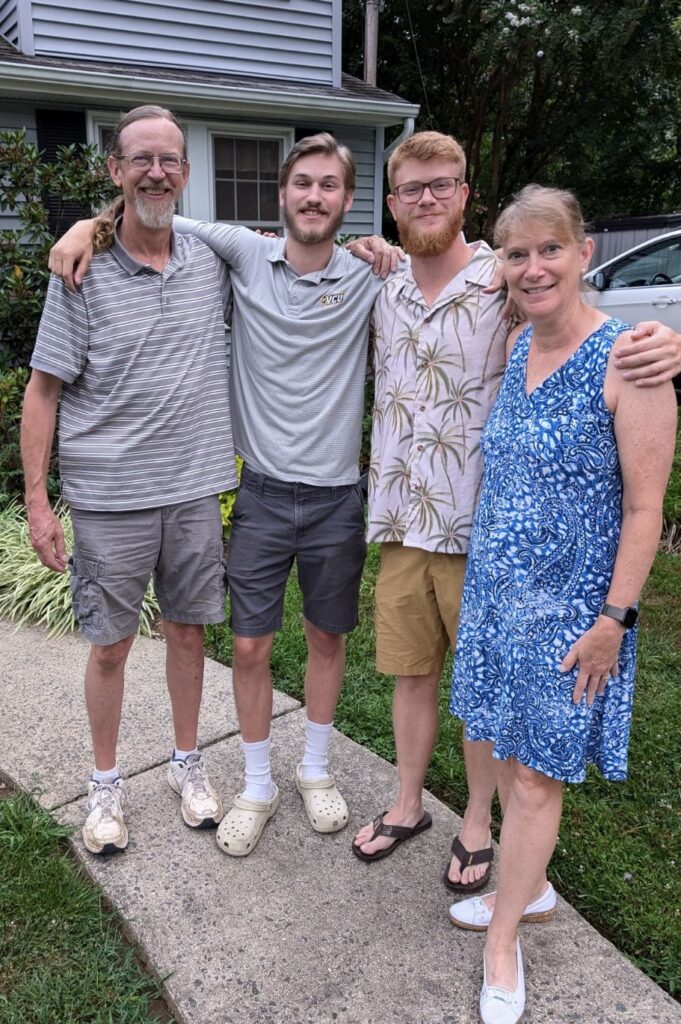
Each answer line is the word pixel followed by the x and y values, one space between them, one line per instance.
pixel 643 283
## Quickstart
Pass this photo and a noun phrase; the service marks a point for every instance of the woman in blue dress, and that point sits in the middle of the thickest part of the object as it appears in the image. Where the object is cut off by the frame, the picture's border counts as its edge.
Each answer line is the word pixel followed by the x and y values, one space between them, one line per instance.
pixel 576 464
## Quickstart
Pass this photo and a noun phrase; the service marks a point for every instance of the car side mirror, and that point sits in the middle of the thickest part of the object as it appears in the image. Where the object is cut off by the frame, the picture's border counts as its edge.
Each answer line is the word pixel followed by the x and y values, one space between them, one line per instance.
pixel 598 281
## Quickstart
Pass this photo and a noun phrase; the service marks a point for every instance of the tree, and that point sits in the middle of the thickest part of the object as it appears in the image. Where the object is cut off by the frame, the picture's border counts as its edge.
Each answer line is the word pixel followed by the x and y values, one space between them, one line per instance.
pixel 580 95
pixel 46 197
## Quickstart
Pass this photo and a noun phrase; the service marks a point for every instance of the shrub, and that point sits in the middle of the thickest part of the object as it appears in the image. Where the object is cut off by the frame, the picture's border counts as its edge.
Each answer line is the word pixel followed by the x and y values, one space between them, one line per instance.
pixel 77 181
pixel 30 592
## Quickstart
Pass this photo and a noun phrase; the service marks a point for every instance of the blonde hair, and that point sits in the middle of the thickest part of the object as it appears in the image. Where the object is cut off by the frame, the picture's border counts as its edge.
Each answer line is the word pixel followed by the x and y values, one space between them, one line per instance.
pixel 324 143
pixel 558 208
pixel 427 146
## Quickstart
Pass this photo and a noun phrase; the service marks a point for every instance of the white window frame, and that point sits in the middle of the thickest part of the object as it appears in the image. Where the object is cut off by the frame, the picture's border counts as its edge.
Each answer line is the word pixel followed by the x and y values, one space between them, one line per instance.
pixel 199 195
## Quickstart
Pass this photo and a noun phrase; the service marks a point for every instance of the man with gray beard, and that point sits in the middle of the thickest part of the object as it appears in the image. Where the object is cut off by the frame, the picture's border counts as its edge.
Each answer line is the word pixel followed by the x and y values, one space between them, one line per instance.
pixel 137 362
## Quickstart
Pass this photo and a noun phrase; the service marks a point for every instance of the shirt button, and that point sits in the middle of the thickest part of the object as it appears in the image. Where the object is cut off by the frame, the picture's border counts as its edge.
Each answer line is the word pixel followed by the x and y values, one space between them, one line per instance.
pixel 419 447
pixel 422 408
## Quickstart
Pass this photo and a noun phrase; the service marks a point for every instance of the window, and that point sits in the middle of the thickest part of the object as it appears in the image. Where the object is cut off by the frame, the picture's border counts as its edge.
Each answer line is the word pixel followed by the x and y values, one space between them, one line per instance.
pixel 245 171
pixel 656 264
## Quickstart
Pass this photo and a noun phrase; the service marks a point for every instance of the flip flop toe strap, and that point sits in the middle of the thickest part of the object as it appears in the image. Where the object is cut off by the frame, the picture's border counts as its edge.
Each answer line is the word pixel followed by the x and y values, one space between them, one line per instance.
pixel 467 859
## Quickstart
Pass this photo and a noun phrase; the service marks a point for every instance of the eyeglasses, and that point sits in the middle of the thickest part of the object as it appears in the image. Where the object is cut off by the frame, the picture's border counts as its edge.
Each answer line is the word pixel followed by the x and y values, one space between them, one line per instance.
pixel 440 188
pixel 145 161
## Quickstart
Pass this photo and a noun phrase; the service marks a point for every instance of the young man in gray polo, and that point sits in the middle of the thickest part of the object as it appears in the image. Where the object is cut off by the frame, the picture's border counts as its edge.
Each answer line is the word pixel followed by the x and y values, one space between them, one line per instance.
pixel 137 361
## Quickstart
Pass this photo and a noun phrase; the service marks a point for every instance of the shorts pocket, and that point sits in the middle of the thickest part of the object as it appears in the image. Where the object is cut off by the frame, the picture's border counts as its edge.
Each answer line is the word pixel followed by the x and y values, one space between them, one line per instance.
pixel 88 606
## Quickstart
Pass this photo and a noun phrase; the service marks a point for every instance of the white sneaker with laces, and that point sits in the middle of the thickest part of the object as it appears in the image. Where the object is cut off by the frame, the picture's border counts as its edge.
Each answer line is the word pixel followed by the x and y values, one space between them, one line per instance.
pixel 104 830
pixel 475 915
pixel 201 805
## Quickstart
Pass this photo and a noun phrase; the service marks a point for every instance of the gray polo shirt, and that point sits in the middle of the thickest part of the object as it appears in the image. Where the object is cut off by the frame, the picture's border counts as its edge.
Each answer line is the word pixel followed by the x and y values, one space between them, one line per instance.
pixel 299 352
pixel 144 415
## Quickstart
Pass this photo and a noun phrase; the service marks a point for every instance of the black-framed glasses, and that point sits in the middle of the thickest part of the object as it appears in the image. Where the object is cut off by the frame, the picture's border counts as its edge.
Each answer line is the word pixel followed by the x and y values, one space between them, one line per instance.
pixel 440 188
pixel 145 161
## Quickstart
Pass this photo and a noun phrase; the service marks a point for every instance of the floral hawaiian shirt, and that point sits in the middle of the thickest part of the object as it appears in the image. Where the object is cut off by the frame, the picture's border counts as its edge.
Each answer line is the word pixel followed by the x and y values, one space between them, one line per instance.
pixel 437 373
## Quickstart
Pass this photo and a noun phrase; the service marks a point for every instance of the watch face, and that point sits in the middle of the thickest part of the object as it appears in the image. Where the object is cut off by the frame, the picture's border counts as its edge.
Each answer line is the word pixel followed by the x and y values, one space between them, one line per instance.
pixel 630 617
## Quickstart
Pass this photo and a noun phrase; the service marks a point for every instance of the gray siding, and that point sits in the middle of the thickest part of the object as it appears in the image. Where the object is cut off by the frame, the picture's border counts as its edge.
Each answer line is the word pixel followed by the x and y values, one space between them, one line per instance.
pixel 9 21
pixel 12 118
pixel 291 39
pixel 611 243
pixel 362 142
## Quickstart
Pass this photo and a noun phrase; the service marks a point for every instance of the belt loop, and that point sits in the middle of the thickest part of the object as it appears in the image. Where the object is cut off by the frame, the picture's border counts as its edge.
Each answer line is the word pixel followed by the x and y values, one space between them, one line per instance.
pixel 334 494
pixel 260 484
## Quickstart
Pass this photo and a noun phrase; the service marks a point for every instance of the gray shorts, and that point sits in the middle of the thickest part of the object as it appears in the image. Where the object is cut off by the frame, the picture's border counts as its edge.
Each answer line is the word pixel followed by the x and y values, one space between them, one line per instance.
pixel 275 523
pixel 115 555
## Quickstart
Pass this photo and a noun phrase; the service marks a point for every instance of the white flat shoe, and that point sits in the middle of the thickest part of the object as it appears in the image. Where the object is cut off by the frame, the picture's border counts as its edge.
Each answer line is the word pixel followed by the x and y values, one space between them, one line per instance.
pixel 475 915
pixel 498 1005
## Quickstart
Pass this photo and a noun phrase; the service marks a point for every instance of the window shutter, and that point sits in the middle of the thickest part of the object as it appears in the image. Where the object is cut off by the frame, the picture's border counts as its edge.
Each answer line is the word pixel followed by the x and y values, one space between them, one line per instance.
pixel 61 128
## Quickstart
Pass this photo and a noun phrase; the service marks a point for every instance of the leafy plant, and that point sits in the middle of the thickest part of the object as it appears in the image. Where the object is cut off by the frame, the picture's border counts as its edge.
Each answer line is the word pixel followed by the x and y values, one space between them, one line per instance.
pixel 227 499
pixel 30 592
pixel 45 197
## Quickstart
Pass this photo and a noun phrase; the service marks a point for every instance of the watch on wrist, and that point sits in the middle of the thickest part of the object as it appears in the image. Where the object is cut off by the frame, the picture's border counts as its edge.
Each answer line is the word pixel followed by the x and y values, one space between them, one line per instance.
pixel 625 616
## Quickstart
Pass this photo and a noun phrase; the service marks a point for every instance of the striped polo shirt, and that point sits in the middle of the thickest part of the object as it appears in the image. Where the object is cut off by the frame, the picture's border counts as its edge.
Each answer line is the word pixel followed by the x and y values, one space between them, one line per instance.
pixel 144 415
pixel 298 359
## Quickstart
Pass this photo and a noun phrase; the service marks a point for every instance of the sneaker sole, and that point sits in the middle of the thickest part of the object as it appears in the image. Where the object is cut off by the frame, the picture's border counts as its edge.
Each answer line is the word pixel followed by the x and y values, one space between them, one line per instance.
pixel 107 848
pixel 543 915
pixel 202 822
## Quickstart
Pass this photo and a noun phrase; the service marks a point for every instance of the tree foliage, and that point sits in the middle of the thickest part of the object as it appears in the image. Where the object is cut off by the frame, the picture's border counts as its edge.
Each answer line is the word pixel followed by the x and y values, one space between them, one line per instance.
pixel 46 198
pixel 579 95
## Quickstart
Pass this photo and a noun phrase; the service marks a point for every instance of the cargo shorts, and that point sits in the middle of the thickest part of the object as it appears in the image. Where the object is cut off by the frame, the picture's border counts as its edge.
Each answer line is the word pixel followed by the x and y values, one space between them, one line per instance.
pixel 115 554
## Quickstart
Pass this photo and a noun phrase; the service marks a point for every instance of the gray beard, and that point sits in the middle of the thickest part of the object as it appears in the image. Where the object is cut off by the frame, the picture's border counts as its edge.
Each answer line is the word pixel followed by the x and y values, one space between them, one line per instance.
pixel 154 215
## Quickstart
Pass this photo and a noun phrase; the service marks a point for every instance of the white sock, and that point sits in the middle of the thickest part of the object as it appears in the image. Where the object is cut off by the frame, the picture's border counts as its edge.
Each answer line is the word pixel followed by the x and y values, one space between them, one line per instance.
pixel 315 763
pixel 182 755
pixel 258 774
pixel 106 778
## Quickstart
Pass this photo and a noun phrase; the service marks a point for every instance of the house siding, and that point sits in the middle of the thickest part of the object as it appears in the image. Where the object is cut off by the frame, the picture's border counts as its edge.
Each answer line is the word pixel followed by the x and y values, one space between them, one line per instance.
pixel 9 21
pixel 292 41
pixel 362 141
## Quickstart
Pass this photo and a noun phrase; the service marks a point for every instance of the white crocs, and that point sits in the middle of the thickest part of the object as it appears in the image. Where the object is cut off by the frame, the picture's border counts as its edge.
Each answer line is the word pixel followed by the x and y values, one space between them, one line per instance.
pixel 240 829
pixel 326 809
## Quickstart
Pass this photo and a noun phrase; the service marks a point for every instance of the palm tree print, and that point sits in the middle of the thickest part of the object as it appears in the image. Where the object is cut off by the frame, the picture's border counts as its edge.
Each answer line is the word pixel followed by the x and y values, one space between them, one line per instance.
pixel 444 444
pixel 453 532
pixel 406 346
pixel 390 526
pixel 431 372
pixel 397 475
pixel 397 407
pixel 459 402
pixel 424 502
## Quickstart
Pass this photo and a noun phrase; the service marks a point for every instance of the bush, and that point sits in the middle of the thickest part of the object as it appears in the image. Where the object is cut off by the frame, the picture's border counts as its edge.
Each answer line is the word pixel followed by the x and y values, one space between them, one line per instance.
pixel 44 197
pixel 12 385
pixel 30 592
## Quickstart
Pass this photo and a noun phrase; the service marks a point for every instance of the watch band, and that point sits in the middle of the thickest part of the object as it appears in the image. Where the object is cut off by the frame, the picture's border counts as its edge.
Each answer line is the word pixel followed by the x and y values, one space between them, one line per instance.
pixel 625 616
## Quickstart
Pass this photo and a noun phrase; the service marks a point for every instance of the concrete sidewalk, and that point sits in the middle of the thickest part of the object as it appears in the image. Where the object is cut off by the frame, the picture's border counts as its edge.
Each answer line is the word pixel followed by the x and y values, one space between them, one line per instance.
pixel 300 932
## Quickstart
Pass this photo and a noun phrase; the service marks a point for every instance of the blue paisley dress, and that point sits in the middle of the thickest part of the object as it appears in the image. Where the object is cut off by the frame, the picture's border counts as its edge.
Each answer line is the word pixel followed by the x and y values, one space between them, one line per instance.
pixel 539 568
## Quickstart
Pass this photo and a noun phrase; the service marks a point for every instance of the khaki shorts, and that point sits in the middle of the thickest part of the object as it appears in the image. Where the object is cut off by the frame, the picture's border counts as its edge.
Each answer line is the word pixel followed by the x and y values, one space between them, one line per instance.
pixel 418 596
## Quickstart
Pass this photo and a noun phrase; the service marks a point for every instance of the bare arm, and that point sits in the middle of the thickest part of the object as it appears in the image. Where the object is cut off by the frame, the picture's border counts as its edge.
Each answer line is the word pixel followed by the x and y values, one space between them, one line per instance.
pixel 37 431
pixel 652 356
pixel 645 429
pixel 71 256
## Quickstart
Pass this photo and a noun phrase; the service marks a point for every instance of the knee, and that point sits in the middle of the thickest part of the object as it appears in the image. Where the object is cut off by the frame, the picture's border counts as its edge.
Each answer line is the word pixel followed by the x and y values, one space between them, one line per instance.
pixel 532 788
pixel 251 652
pixel 112 656
pixel 325 645
pixel 184 635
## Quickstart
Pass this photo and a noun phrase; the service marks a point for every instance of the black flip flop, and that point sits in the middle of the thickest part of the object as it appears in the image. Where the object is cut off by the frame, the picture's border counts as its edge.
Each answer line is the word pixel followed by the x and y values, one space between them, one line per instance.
pixel 466 859
pixel 400 833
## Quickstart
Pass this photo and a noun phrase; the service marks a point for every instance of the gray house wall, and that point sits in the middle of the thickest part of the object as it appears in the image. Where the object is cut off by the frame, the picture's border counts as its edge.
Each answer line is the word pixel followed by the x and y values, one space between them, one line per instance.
pixel 362 141
pixel 9 21
pixel 293 40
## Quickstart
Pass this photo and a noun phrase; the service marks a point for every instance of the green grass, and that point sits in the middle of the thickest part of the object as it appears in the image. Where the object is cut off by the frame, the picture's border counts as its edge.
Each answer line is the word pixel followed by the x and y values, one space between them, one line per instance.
pixel 63 959
pixel 619 851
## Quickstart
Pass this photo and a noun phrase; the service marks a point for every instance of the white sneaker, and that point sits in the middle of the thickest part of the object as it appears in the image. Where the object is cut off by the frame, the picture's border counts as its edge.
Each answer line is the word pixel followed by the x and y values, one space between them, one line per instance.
pixel 499 1005
pixel 475 915
pixel 201 805
pixel 104 830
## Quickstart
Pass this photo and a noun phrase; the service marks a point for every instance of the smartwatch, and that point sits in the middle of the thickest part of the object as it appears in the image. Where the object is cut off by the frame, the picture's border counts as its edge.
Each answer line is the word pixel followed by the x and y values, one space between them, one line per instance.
pixel 625 616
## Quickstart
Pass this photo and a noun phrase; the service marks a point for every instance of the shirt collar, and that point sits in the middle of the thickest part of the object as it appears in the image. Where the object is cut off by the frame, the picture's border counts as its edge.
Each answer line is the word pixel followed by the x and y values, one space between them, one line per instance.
pixel 133 266
pixel 478 271
pixel 333 270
